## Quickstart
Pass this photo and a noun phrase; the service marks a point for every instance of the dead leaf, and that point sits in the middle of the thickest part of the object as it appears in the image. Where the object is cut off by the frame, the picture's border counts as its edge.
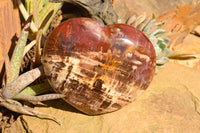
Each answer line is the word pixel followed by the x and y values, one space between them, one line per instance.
pixel 190 45
pixel 192 48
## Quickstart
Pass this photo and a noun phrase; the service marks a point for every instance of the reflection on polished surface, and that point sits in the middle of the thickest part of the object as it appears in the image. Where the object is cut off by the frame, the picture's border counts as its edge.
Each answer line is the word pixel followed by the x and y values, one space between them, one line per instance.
pixel 99 68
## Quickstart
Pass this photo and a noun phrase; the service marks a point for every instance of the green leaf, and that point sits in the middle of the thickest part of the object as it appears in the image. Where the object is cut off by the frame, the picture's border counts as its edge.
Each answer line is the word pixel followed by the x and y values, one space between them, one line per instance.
pixel 162 61
pixel 18 53
pixel 36 89
pixel 46 10
pixel 161 44
pixel 158 32
pixel 44 7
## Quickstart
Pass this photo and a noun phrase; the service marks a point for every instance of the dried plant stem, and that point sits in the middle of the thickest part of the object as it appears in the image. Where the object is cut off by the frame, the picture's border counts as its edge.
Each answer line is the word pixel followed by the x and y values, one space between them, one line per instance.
pixel 27 111
pixel 13 88
pixel 37 48
pixel 184 56
pixel 7 66
pixel 26 15
pixel 38 40
pixel 29 46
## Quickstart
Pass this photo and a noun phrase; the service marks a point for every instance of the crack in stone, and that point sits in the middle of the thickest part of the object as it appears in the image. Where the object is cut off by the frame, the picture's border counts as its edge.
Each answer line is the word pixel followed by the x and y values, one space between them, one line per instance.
pixel 194 99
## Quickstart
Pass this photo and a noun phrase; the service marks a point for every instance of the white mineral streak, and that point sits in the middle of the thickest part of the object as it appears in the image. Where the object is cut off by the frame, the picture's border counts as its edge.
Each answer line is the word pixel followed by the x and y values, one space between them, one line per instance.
pixel 142 56
pixel 110 84
pixel 137 62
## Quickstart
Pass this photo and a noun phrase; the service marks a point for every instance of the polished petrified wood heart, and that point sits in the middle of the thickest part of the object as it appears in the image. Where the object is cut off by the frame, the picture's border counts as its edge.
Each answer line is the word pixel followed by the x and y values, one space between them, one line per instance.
pixel 99 68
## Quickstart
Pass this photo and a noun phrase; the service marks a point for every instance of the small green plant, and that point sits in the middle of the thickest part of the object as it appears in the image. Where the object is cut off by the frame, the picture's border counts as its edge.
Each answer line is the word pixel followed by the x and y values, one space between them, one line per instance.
pixel 156 35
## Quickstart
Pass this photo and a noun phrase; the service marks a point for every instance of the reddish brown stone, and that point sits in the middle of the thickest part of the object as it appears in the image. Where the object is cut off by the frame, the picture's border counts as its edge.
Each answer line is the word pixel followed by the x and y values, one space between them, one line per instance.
pixel 110 65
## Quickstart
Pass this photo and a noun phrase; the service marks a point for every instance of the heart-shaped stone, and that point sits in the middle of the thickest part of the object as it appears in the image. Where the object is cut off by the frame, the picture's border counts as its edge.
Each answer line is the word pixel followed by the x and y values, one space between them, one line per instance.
pixel 99 68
